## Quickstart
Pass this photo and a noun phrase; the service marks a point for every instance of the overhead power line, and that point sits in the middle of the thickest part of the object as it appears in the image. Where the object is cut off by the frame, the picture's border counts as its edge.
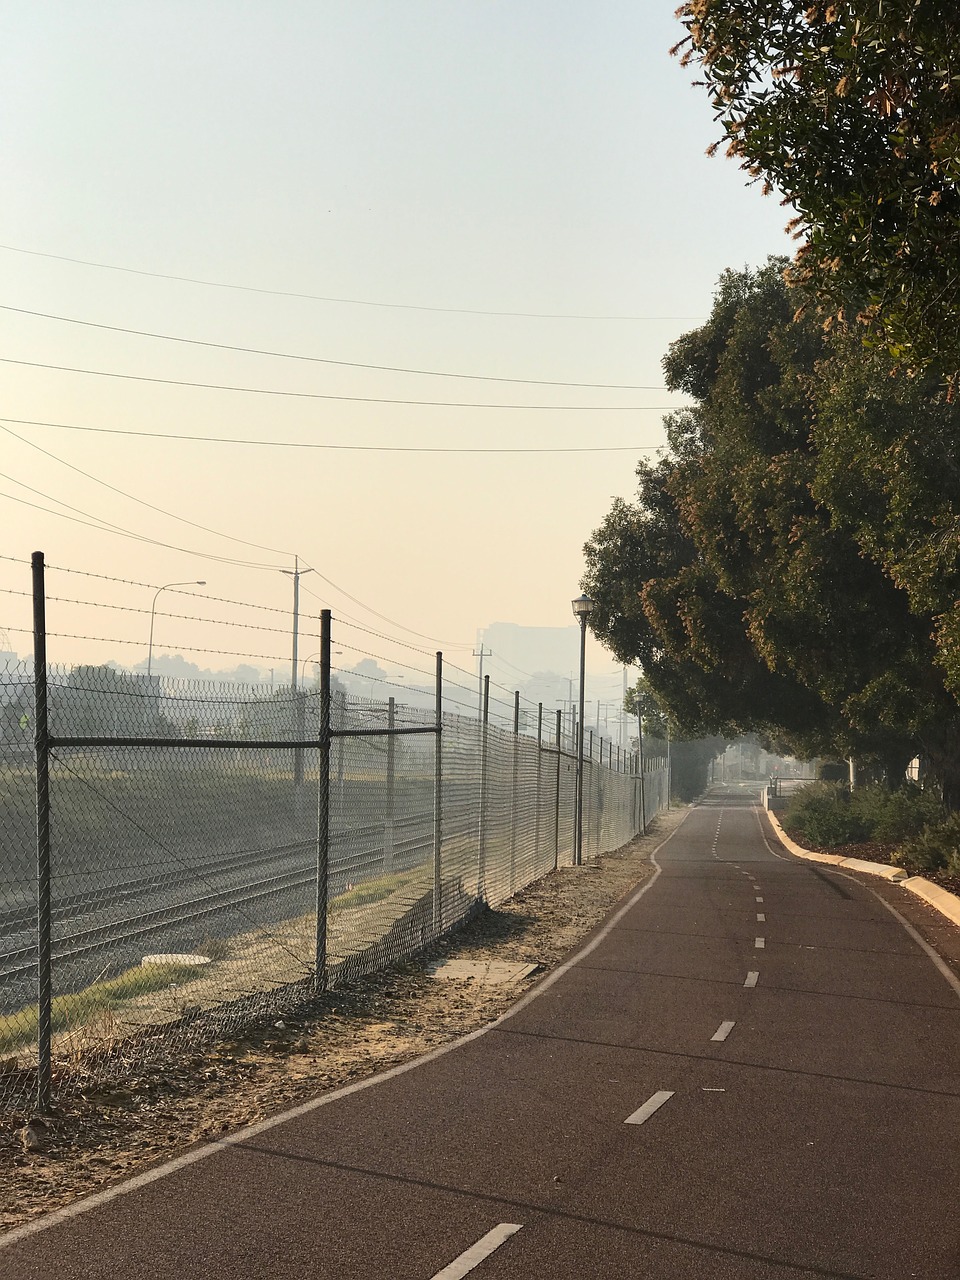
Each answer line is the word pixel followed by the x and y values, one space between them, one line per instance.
pixel 142 501
pixel 316 297
pixel 343 448
pixel 322 395
pixel 341 364
pixel 94 522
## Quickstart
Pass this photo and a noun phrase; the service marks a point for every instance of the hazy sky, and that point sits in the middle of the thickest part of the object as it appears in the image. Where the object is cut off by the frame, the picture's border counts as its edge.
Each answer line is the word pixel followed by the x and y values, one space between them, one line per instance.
pixel 440 164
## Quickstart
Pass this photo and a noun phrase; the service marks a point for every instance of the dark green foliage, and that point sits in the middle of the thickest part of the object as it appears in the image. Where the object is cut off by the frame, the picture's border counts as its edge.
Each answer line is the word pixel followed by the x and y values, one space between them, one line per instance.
pixel 895 815
pixel 770 576
pixel 827 815
pixel 852 111
pixel 690 766
pixel 821 815
pixel 936 848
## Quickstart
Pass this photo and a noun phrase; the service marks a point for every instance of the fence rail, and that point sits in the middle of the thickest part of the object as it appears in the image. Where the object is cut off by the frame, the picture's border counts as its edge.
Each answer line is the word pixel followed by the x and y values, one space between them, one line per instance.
pixel 177 858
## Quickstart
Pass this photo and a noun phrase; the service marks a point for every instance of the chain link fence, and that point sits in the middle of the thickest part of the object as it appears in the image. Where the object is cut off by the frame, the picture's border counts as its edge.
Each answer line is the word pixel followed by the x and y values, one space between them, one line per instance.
pixel 179 858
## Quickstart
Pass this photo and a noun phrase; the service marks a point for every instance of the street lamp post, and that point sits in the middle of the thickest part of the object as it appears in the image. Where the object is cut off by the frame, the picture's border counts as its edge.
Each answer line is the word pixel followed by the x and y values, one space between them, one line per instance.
pixel 582 608
pixel 153 613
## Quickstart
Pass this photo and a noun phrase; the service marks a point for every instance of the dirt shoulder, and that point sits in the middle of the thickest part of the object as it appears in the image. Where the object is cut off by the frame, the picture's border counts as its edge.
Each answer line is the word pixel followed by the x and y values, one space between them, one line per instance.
pixel 153 1110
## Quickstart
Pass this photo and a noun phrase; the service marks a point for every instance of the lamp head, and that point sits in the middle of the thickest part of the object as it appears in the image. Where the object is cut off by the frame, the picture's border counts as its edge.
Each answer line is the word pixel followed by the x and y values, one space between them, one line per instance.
pixel 583 606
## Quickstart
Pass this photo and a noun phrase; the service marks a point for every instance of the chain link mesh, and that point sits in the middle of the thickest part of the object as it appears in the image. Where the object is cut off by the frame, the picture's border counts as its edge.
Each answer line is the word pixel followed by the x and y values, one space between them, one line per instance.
pixel 184 850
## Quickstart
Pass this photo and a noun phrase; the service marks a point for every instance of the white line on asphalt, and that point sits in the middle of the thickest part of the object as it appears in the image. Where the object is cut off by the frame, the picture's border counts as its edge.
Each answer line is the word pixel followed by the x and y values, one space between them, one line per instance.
pixel 58 1216
pixel 723 1031
pixel 649 1107
pixel 759 899
pixel 761 918
pixel 759 944
pixel 752 977
pixel 477 1252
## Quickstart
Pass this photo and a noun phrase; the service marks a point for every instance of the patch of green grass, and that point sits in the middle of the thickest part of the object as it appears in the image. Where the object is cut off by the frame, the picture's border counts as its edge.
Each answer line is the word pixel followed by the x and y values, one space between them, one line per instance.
pixel 362 895
pixel 21 1027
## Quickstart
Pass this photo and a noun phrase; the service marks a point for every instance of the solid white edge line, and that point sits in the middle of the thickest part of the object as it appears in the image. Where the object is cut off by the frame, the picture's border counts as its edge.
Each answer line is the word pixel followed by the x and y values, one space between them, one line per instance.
pixel 752 978
pixel 651 1105
pixel 723 1031
pixel 921 942
pixel 473 1256
pixel 98 1198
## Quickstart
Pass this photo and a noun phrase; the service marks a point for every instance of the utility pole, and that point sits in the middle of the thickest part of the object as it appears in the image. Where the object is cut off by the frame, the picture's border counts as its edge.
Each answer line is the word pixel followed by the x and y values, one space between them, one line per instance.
pixel 481 653
pixel 296 573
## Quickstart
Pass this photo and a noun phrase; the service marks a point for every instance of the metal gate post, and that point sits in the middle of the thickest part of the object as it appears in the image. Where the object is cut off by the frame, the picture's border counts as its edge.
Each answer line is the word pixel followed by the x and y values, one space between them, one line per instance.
pixel 323 805
pixel 556 808
pixel 513 791
pixel 437 801
pixel 536 821
pixel 388 832
pixel 42 757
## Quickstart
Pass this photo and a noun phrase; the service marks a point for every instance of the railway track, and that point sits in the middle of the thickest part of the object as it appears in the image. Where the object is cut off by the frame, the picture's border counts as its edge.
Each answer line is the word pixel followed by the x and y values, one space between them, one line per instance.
pixel 19 963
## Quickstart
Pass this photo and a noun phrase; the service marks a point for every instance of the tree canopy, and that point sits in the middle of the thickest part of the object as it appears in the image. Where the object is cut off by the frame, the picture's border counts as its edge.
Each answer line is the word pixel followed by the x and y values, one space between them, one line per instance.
pixel 752 585
pixel 852 111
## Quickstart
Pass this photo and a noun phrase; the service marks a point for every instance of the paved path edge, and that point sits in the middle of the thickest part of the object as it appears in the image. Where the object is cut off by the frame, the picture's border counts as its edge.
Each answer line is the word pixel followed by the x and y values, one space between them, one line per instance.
pixel 194 1156
pixel 948 904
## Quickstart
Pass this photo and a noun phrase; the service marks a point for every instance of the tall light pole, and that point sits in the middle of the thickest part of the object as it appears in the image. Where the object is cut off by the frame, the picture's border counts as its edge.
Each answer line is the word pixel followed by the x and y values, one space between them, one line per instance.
pixel 582 608
pixel 153 613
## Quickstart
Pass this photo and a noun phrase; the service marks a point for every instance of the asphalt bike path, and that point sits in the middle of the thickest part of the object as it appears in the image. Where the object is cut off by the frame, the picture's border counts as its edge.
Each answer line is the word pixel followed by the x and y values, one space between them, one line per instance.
pixel 753 1072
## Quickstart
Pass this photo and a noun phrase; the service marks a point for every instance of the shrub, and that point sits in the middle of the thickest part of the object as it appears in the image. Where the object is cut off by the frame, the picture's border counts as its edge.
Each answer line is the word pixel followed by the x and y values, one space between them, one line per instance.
pixel 936 848
pixel 821 814
pixel 896 815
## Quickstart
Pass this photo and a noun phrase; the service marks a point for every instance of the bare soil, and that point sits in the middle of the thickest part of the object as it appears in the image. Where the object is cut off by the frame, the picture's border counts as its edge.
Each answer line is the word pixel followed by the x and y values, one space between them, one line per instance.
pixel 155 1109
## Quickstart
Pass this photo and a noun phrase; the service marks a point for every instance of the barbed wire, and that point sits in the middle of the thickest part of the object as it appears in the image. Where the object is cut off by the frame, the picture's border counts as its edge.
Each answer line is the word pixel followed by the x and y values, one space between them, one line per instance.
pixel 162 613
pixel 223 653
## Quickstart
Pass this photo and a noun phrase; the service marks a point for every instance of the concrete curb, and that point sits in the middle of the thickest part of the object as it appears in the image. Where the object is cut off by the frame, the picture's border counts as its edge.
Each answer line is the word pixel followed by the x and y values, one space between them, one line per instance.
pixel 948 904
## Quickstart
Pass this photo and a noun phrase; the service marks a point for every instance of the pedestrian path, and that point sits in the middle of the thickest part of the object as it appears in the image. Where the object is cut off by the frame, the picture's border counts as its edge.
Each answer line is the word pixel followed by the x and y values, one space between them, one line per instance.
pixel 752 1070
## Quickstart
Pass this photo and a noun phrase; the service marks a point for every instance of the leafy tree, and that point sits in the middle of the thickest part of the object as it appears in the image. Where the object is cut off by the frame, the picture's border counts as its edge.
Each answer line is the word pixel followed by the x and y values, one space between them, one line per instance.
pixel 751 602
pixel 851 109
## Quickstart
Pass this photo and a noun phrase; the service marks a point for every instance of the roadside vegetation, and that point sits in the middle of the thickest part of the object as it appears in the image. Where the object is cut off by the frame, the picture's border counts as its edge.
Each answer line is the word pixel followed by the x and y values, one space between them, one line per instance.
pixel 791 565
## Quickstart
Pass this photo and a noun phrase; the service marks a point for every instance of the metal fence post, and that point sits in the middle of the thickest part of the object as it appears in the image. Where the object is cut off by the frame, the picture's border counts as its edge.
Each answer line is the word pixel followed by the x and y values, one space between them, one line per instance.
pixel 536 821
pixel 556 808
pixel 590 796
pixel 482 831
pixel 643 793
pixel 323 805
pixel 388 832
pixel 42 757
pixel 437 801
pixel 513 791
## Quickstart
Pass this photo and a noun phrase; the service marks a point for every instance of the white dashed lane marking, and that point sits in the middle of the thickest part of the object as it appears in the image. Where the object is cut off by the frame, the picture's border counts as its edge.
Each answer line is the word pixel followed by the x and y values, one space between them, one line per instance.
pixel 759 944
pixel 759 899
pixel 473 1256
pixel 723 1031
pixel 752 978
pixel 649 1107
pixel 761 918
